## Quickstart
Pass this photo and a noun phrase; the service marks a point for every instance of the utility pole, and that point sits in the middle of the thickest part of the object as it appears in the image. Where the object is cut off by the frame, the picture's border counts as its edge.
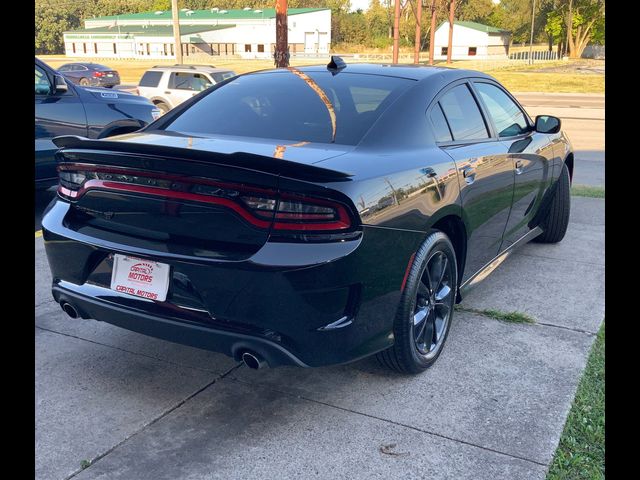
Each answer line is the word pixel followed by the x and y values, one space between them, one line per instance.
pixel 432 36
pixel 396 32
pixel 533 16
pixel 416 55
pixel 281 55
pixel 176 30
pixel 452 10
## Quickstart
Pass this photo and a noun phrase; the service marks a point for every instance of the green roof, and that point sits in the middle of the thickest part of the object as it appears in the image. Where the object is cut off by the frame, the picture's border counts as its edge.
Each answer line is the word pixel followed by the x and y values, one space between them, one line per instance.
pixel 208 14
pixel 151 31
pixel 478 26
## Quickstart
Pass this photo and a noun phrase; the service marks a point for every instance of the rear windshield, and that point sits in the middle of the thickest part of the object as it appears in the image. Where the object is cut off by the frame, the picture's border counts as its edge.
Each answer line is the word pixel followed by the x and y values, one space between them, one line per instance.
pixel 97 66
pixel 292 105
pixel 222 76
pixel 150 79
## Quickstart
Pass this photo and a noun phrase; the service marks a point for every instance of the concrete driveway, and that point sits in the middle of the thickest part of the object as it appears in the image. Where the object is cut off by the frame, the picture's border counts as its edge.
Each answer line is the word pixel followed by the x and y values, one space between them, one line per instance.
pixel 492 407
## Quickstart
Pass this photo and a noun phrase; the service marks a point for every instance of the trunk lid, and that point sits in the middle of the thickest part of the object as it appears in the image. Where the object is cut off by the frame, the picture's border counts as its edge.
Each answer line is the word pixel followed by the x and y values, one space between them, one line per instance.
pixel 200 197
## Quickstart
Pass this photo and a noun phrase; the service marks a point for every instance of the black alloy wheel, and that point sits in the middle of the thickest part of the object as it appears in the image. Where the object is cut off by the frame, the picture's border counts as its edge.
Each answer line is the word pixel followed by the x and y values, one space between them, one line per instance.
pixel 426 307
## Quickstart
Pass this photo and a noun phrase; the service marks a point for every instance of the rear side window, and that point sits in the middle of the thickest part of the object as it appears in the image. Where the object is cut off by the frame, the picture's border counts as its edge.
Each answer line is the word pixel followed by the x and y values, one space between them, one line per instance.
pixel 312 106
pixel 150 79
pixel 222 76
pixel 506 115
pixel 440 128
pixel 463 114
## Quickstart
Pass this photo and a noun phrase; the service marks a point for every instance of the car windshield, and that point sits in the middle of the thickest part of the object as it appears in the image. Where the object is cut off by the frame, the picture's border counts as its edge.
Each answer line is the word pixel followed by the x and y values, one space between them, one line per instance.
pixel 311 106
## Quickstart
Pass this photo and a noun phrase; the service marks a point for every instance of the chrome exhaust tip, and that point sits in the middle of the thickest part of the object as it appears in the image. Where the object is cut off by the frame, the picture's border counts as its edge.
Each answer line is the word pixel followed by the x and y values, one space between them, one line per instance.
pixel 253 360
pixel 69 309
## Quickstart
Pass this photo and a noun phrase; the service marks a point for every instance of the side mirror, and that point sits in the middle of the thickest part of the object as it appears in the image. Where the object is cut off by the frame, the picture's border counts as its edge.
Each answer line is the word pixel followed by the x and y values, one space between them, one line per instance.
pixel 59 84
pixel 547 124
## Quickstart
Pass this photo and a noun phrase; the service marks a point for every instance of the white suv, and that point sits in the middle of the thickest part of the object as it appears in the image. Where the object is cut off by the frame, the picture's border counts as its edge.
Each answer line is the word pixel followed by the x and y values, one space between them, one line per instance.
pixel 169 86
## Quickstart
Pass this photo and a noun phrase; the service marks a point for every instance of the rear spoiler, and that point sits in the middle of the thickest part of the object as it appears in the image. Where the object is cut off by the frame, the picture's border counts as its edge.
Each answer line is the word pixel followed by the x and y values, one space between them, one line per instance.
pixel 244 160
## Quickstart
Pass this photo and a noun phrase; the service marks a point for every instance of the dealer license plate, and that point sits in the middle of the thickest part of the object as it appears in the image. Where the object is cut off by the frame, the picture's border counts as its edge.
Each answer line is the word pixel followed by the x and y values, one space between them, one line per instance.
pixel 139 277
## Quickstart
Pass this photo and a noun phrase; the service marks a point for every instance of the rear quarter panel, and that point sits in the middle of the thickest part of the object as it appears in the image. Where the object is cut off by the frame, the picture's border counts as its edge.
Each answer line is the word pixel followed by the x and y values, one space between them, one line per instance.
pixel 115 110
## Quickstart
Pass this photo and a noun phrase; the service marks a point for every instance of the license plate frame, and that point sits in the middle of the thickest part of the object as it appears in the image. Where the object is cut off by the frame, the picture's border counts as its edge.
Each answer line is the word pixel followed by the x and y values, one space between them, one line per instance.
pixel 140 277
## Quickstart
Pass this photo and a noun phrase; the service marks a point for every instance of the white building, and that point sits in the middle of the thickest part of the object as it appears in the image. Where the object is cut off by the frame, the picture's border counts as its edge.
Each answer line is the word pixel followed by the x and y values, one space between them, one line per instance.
pixel 471 41
pixel 250 33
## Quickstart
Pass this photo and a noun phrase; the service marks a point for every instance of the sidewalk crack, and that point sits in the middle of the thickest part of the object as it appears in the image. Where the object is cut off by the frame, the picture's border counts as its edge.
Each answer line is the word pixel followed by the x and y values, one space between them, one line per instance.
pixel 153 421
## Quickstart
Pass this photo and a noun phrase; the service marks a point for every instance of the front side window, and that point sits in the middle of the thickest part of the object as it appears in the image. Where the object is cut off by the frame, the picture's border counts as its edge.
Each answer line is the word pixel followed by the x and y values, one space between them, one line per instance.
pixel 463 114
pixel 506 115
pixel 43 87
pixel 302 106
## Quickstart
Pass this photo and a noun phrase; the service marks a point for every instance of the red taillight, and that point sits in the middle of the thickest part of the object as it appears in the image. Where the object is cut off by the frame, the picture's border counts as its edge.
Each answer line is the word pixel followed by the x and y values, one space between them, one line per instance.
pixel 261 207
pixel 98 74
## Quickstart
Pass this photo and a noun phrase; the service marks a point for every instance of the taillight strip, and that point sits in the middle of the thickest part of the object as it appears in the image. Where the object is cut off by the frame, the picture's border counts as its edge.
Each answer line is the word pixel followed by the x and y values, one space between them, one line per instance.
pixel 297 222
pixel 173 194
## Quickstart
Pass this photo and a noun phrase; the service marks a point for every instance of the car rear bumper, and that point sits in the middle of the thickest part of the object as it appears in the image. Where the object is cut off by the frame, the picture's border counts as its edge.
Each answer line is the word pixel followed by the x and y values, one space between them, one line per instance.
pixel 107 82
pixel 293 303
pixel 93 303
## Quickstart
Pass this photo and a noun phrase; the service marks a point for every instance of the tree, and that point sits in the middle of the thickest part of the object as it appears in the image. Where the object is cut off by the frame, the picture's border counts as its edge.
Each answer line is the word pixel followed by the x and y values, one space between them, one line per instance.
pixel 554 27
pixel 581 18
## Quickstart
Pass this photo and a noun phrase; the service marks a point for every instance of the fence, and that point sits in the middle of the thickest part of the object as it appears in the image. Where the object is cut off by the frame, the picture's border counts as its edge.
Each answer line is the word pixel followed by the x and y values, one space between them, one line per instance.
pixel 536 55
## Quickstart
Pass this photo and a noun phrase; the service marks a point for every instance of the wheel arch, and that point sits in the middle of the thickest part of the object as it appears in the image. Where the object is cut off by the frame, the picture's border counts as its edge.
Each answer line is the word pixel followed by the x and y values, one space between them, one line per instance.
pixel 121 126
pixel 569 163
pixel 449 221
pixel 157 100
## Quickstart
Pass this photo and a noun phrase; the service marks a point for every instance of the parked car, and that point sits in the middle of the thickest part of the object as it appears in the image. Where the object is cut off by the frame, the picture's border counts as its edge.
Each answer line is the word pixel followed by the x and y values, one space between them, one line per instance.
pixel 66 109
pixel 168 86
pixel 90 74
pixel 255 219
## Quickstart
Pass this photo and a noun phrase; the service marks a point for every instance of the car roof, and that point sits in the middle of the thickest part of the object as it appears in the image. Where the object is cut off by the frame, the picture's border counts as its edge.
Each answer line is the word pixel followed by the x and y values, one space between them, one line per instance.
pixel 195 68
pixel 410 71
pixel 86 64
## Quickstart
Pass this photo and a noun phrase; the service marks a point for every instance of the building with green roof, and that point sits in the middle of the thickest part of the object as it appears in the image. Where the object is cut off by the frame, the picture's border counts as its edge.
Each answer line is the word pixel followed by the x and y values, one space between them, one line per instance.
pixel 471 40
pixel 248 32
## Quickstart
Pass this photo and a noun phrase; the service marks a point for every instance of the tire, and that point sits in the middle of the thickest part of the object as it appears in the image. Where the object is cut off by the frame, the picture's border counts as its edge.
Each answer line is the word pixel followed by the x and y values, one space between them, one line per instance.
pixel 164 108
pixel 409 354
pixel 84 82
pixel 556 221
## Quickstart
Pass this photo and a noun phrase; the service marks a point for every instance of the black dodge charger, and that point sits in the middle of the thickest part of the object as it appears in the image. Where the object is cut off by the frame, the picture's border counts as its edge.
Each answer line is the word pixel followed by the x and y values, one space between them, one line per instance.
pixel 307 216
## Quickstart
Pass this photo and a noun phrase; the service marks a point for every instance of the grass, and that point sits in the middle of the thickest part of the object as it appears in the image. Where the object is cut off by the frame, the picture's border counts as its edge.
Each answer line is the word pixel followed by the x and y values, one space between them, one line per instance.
pixel 587 191
pixel 508 317
pixel 549 82
pixel 84 464
pixel 517 78
pixel 580 454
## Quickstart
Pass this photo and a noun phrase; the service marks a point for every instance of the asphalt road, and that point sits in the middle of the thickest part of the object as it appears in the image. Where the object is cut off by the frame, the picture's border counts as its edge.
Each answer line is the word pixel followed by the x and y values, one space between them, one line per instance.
pixel 582 117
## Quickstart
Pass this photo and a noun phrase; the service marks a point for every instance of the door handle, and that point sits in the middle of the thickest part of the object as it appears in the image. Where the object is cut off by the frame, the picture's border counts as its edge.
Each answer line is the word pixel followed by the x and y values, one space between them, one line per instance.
pixel 519 165
pixel 167 92
pixel 469 173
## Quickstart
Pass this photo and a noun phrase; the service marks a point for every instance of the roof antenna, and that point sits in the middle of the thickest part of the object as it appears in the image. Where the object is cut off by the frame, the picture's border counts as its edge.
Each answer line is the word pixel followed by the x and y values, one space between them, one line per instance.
pixel 336 64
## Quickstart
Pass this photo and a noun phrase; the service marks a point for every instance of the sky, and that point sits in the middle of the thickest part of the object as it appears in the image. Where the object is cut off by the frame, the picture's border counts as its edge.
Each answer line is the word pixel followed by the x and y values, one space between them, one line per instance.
pixel 356 4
